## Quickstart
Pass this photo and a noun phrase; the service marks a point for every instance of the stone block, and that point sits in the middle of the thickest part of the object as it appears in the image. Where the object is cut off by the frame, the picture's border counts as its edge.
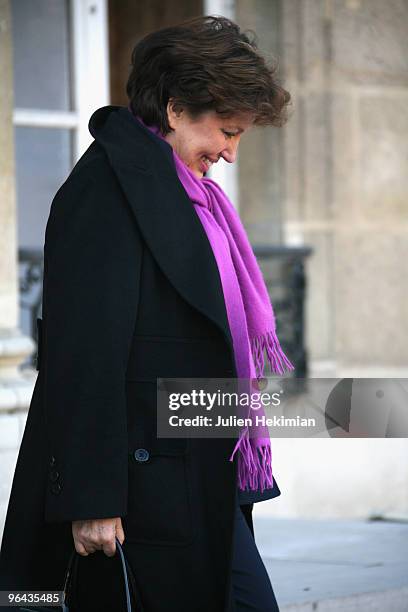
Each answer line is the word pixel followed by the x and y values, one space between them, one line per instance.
pixel 370 42
pixel 314 41
pixel 293 163
pixel 371 295
pixel 260 184
pixel 383 158
pixel 346 201
pixel 317 157
pixel 319 318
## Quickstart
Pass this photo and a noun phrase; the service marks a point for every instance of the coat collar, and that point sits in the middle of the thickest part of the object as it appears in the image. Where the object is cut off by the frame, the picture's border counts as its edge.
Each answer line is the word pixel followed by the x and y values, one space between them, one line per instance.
pixel 144 166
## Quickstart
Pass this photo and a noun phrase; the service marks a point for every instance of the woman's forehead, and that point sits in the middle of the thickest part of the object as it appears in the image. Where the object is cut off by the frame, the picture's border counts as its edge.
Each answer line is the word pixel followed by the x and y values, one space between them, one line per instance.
pixel 239 121
pixel 242 120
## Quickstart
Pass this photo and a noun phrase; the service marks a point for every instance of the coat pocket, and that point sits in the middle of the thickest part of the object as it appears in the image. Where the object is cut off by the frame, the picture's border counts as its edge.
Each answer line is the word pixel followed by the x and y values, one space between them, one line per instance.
pixel 159 502
pixel 159 477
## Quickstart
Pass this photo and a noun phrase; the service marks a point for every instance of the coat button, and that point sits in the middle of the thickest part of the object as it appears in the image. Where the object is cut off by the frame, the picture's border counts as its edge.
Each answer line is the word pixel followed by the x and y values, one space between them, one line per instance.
pixel 54 476
pixel 141 454
pixel 56 488
pixel 259 383
pixel 262 383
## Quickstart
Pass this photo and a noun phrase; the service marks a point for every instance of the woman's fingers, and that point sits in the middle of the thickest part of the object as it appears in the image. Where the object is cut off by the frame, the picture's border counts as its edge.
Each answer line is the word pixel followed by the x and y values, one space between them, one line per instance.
pixel 120 534
pixel 80 548
pixel 109 548
pixel 98 534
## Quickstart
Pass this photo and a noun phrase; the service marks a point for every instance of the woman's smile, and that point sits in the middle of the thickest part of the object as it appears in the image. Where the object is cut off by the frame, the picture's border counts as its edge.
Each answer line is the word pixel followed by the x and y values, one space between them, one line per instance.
pixel 201 141
pixel 206 163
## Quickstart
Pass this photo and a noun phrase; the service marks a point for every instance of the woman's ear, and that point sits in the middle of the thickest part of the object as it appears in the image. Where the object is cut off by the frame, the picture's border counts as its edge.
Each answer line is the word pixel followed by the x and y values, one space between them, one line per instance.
pixel 174 113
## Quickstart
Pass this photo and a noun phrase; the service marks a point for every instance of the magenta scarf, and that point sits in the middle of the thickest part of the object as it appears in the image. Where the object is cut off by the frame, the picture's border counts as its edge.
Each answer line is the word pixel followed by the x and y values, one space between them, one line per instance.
pixel 249 310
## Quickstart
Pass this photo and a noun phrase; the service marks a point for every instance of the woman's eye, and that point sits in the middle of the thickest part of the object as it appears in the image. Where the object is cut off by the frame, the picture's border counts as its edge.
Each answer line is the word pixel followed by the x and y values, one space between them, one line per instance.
pixel 228 134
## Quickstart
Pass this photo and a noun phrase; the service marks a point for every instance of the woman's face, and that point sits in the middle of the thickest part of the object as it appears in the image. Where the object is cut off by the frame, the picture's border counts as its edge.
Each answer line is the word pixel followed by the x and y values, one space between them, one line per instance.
pixel 203 141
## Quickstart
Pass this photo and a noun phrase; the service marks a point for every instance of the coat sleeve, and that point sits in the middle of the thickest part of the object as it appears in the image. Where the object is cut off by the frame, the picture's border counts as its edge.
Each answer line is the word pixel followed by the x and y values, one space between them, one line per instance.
pixel 92 259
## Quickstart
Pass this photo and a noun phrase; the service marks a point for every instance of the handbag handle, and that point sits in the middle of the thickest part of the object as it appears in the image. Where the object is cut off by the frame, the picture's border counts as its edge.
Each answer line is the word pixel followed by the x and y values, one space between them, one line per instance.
pixel 69 571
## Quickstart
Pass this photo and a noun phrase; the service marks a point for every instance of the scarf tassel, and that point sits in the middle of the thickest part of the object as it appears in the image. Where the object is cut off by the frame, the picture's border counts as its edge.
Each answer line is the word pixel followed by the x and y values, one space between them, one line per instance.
pixel 255 462
pixel 254 467
pixel 276 357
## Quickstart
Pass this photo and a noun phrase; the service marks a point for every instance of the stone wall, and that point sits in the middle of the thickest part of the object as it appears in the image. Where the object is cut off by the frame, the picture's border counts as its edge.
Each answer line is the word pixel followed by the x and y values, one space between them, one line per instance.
pixel 336 178
pixel 340 181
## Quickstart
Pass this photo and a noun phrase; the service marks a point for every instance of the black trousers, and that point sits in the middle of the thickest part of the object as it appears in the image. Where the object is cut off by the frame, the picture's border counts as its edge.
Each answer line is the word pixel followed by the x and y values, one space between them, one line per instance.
pixel 251 588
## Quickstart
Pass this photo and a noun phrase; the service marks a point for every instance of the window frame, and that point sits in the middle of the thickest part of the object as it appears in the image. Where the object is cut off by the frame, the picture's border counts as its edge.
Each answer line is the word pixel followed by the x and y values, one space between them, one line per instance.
pixel 89 86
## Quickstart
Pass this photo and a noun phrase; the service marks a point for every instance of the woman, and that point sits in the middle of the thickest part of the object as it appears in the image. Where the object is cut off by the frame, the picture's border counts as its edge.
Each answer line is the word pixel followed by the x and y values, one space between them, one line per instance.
pixel 148 274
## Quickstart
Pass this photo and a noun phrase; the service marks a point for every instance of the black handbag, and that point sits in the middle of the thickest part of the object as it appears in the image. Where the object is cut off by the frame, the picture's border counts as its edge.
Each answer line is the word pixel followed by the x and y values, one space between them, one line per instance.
pixel 63 607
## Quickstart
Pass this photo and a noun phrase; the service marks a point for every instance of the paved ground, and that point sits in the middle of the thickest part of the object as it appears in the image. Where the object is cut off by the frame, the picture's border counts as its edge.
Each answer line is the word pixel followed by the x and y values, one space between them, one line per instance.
pixel 328 565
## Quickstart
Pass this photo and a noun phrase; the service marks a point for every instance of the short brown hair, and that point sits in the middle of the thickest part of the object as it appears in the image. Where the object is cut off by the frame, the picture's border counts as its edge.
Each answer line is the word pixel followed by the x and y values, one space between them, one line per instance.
pixel 204 64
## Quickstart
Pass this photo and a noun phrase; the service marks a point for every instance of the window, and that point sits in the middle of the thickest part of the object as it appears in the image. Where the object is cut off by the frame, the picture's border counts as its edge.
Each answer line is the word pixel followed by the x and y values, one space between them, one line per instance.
pixel 61 75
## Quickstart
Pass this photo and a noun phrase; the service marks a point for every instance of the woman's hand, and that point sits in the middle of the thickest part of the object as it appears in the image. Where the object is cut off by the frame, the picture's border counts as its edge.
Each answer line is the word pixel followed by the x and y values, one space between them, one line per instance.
pixel 97 534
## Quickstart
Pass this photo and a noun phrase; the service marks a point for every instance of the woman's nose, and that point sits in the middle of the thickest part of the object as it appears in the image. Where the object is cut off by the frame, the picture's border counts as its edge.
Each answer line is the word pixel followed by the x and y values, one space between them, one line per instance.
pixel 230 152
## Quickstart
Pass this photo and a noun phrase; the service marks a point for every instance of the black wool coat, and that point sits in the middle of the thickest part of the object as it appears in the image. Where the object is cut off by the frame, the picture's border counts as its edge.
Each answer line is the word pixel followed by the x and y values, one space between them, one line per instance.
pixel 131 293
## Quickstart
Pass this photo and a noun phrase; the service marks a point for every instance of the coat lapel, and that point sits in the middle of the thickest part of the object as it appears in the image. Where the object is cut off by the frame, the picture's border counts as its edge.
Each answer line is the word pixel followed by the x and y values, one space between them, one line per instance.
pixel 163 211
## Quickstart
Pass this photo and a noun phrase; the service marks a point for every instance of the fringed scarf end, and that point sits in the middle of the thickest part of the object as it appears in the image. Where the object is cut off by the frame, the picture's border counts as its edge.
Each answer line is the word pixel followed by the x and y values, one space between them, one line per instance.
pixel 254 467
pixel 277 359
